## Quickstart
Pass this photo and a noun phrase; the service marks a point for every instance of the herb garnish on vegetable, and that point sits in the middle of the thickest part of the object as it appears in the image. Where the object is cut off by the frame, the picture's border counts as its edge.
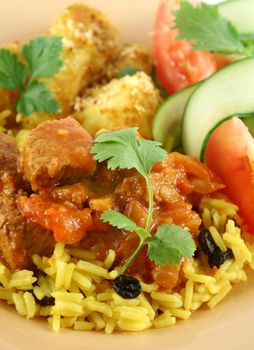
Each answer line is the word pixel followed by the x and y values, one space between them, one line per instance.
pixel 208 30
pixel 123 150
pixel 40 59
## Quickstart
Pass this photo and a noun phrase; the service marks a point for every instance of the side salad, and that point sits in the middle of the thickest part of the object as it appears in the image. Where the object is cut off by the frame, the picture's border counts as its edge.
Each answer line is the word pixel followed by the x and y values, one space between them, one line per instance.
pixel 204 59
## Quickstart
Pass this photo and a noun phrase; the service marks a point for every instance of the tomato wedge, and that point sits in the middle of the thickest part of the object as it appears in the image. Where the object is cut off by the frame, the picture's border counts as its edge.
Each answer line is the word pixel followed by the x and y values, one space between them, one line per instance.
pixel 230 154
pixel 176 63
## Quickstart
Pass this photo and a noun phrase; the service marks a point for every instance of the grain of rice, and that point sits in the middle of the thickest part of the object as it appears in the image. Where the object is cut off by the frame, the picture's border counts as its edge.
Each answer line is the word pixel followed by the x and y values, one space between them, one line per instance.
pixel 45 311
pixel 83 281
pixel 200 278
pixel 217 238
pixel 69 269
pixel 138 314
pixel 93 305
pixel 59 250
pixel 81 254
pixel 133 326
pixel 155 305
pixel 223 268
pixel 144 302
pixel 222 223
pixel 6 294
pixel 214 288
pixel 110 258
pixel 206 218
pixel 38 292
pixel 195 305
pixel 22 279
pixel 105 296
pixel 180 313
pixel 92 268
pixel 97 320
pixel 188 294
pixel 65 296
pixel 67 322
pixel 44 285
pixel 148 288
pixel 56 323
pixel 83 326
pixel 161 297
pixel 110 326
pixel 60 274
pixel 112 275
pixel 19 303
pixel 218 204
pixel 118 300
pixel 218 297
pixel 30 304
pixel 164 320
pixel 67 309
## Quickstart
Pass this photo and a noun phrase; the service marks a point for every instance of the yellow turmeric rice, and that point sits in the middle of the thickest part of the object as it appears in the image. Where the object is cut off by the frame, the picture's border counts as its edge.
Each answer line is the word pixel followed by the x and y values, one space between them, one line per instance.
pixel 78 289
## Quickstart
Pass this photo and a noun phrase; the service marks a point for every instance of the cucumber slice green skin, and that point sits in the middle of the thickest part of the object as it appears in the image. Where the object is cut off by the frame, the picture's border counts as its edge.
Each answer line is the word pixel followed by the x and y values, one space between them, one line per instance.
pixel 247 118
pixel 167 121
pixel 240 13
pixel 229 91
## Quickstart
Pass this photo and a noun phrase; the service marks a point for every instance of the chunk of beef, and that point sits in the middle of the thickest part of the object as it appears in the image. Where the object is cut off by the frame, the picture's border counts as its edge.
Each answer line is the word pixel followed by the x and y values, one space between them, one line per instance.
pixel 76 194
pixel 10 180
pixel 57 153
pixel 20 237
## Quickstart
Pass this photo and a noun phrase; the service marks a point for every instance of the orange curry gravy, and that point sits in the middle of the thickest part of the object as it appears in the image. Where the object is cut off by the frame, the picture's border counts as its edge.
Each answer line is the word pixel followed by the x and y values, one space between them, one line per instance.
pixel 178 183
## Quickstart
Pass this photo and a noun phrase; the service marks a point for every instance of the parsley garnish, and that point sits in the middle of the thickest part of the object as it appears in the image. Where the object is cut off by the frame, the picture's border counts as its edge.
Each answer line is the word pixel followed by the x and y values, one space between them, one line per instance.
pixel 41 58
pixel 208 30
pixel 123 150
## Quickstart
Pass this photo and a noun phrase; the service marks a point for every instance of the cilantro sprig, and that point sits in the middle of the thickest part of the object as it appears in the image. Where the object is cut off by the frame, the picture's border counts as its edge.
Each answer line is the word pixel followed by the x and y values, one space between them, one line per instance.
pixel 208 30
pixel 39 59
pixel 122 149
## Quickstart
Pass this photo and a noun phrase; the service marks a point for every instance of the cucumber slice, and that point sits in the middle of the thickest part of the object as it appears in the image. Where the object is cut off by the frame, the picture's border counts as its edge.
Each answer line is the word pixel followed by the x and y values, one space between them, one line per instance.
pixel 227 92
pixel 167 120
pixel 249 122
pixel 240 13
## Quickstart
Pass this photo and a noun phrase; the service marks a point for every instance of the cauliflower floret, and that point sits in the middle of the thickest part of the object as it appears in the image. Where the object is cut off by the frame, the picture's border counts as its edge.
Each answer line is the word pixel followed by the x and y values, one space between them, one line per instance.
pixel 125 102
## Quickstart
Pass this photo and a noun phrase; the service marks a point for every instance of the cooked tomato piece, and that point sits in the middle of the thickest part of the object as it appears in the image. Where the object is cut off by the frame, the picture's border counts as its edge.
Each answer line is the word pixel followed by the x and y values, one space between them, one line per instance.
pixel 230 154
pixel 166 276
pixel 177 65
pixel 68 224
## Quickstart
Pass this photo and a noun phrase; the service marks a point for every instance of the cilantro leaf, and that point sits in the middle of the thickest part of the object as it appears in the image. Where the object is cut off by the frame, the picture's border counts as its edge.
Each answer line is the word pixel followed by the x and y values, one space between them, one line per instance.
pixel 170 244
pixel 43 56
pixel 128 70
pixel 37 98
pixel 207 29
pixel 12 71
pixel 122 150
pixel 121 221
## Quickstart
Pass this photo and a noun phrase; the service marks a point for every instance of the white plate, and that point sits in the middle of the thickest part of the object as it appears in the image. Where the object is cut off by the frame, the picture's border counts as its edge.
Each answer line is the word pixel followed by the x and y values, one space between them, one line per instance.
pixel 228 326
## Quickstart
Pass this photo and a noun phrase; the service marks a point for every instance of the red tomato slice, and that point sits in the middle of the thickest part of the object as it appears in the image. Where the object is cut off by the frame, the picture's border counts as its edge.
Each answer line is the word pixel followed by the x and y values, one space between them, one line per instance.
pixel 230 154
pixel 177 64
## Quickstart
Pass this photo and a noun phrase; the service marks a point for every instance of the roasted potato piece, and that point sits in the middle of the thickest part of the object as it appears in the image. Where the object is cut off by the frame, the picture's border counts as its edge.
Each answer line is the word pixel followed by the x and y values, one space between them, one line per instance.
pixel 125 102
pixel 138 56
pixel 89 44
